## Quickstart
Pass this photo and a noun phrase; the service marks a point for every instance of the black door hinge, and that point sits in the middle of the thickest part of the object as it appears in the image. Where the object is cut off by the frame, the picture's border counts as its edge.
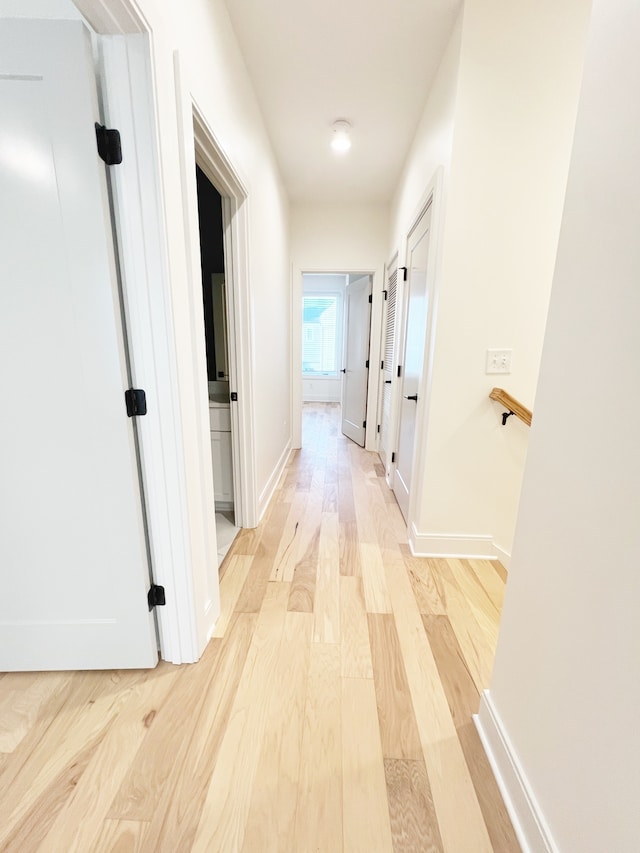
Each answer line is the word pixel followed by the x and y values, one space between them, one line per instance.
pixel 385 295
pixel 109 145
pixel 382 365
pixel 404 273
pixel 366 364
pixel 364 424
pixel 370 297
pixel 155 596
pixel 233 396
pixel 378 427
pixel 136 402
pixel 393 457
pixel 399 370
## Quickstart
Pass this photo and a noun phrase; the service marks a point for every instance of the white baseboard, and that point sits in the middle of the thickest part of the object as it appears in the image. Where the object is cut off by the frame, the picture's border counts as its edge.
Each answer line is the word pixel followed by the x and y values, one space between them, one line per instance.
pixel 528 821
pixel 503 556
pixel 454 545
pixel 319 398
pixel 267 493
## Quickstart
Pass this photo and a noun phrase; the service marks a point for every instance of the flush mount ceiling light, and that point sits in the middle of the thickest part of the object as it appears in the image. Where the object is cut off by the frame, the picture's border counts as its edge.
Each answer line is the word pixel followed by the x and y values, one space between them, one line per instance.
pixel 341 141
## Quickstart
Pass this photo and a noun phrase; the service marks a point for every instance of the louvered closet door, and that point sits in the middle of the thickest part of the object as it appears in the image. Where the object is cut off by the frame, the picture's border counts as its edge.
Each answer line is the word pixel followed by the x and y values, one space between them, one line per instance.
pixel 388 361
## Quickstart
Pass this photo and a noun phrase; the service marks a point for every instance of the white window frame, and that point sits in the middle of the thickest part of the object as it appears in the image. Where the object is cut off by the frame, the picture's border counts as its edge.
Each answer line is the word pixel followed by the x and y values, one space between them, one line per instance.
pixel 323 294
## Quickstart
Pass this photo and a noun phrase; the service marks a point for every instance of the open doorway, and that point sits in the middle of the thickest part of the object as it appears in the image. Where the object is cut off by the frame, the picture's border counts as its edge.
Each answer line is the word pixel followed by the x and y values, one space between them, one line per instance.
pixel 214 299
pixel 336 325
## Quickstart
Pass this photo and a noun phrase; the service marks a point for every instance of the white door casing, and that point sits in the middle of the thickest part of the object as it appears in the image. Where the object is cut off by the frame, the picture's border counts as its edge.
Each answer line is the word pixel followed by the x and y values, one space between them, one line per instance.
pixel 73 554
pixel 416 314
pixel 356 369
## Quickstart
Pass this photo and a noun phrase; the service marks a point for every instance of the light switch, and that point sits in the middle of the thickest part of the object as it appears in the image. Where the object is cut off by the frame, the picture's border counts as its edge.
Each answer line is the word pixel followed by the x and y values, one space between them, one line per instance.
pixel 498 361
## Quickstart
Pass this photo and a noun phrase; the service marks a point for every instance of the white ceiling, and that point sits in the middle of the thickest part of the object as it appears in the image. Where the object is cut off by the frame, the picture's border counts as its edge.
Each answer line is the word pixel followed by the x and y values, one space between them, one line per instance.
pixel 368 61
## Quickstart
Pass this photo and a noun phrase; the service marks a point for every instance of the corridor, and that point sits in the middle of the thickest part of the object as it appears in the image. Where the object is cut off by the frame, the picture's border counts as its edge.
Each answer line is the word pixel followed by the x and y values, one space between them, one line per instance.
pixel 331 710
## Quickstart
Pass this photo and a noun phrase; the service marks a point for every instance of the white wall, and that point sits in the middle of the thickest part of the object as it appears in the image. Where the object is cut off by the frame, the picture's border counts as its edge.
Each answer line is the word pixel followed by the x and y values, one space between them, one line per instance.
pixel 325 389
pixel 431 146
pixel 326 238
pixel 201 31
pixel 566 682
pixel 512 104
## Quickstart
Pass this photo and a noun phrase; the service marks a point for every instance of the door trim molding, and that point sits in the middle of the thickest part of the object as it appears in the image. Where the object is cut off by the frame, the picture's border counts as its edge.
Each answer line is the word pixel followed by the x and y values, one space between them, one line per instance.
pixel 432 197
pixel 210 156
pixel 138 217
pixel 189 501
pixel 377 281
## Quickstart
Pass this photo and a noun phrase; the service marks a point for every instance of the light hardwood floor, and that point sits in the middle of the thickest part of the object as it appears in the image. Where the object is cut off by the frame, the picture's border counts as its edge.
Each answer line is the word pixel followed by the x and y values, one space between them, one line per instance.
pixel 331 711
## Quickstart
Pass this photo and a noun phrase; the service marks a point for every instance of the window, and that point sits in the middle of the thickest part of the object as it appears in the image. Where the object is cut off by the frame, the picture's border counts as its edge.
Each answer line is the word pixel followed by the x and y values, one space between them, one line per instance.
pixel 321 333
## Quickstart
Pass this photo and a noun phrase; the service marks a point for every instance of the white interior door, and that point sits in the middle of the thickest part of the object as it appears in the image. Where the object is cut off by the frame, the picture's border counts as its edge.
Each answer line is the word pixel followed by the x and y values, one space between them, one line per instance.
pixel 388 362
pixel 356 369
pixel 73 557
pixel 417 312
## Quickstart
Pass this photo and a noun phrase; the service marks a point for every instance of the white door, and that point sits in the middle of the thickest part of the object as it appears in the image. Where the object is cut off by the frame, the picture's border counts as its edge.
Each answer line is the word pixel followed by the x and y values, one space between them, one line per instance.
pixel 356 369
pixel 388 363
pixel 73 558
pixel 417 313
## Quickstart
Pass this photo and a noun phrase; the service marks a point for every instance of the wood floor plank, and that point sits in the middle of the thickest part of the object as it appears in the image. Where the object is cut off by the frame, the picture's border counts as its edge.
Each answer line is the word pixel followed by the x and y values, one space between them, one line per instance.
pixel 330 502
pixel 176 818
pixel 319 810
pixel 285 558
pixel 476 647
pixel 231 586
pixel 224 815
pixel 326 612
pixel 365 808
pixel 461 692
pixel 362 489
pixel 256 582
pixel 121 836
pixel 305 562
pixel 349 549
pixel 303 586
pixel 499 826
pixel 374 583
pixel 424 586
pixel 272 813
pixel 484 610
pixel 346 505
pixel 414 824
pixel 500 569
pixel 354 630
pixel 76 730
pixel 451 785
pixel 398 729
pixel 21 699
pixel 151 767
pixel 52 715
pixel 246 542
pixel 87 807
pixel 271 528
pixel 490 579
pixel 30 832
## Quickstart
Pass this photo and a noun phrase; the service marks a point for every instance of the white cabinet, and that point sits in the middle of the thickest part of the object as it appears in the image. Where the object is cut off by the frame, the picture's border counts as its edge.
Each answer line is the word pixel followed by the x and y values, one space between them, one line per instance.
pixel 221 457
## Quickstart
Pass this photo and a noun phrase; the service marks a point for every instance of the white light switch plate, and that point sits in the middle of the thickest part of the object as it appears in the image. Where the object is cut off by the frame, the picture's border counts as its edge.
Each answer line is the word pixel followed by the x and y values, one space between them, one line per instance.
pixel 498 361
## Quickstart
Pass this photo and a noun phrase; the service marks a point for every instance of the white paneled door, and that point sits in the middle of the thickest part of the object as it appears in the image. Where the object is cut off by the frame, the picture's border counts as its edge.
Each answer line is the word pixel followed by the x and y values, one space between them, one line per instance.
pixel 356 370
pixel 73 559
pixel 417 295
